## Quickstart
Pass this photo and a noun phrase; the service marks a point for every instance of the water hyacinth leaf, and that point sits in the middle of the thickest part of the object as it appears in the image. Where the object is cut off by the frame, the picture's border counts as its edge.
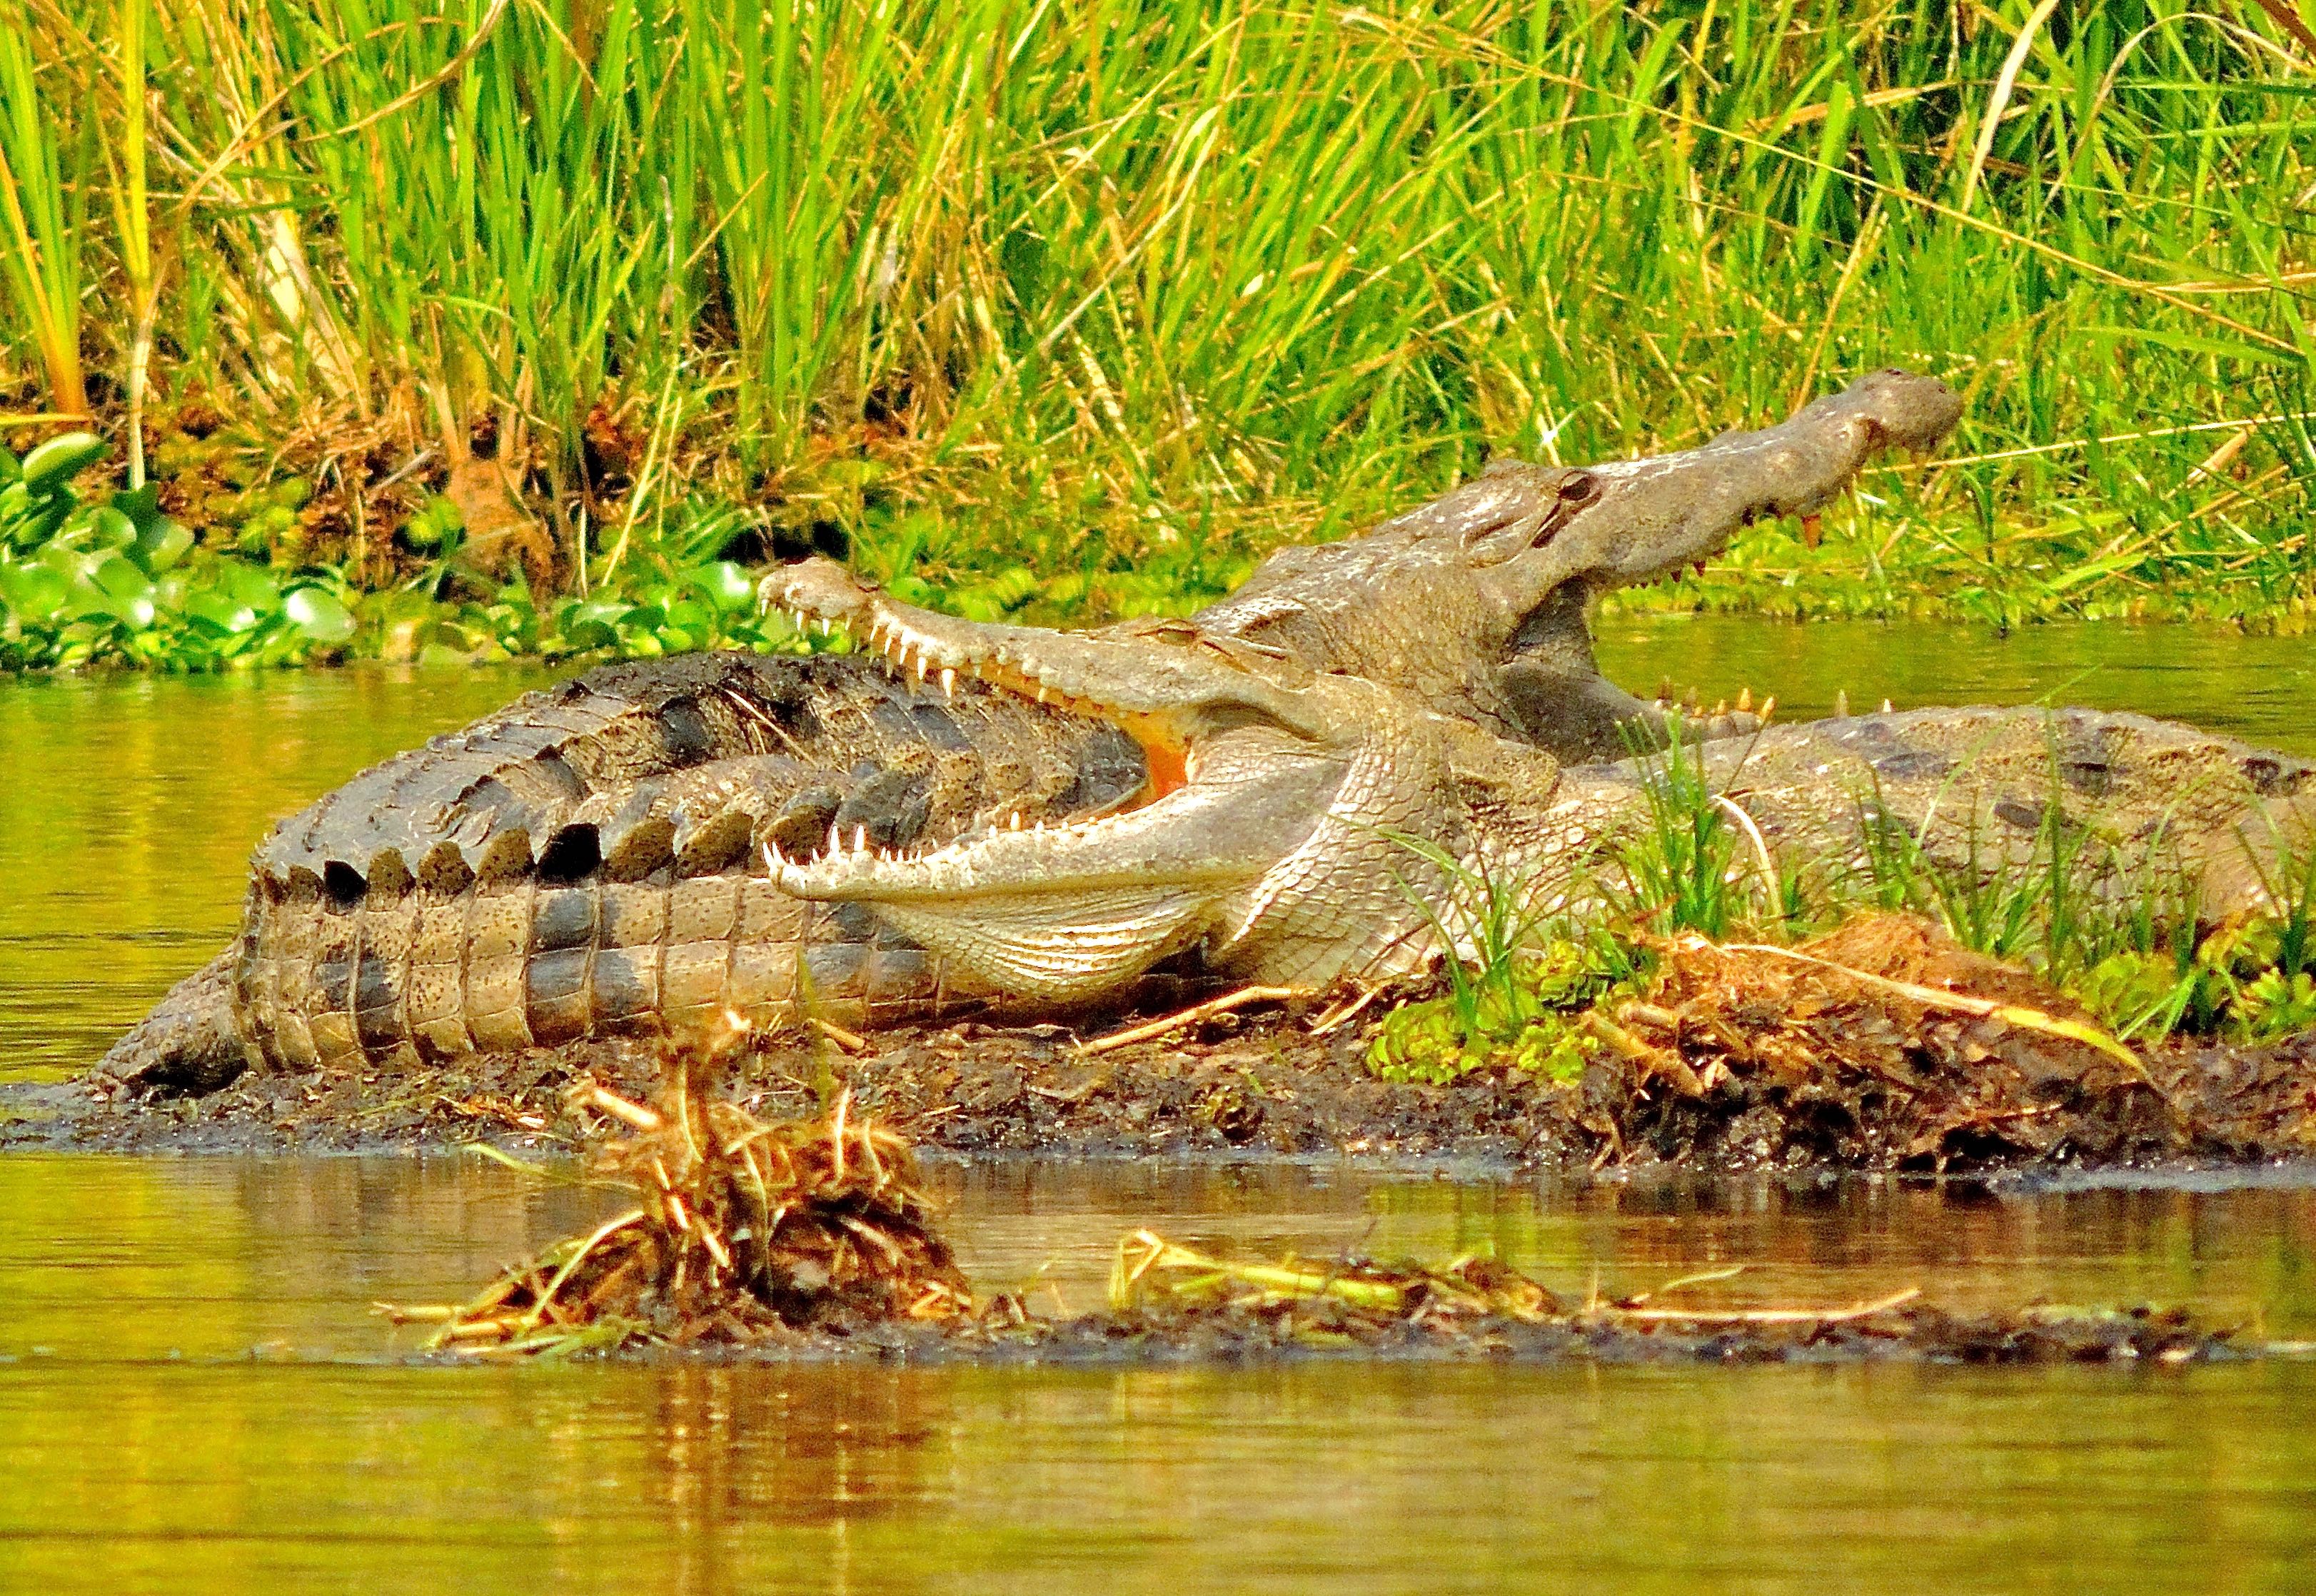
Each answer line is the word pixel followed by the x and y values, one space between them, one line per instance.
pixel 122 591
pixel 58 461
pixel 726 585
pixel 248 587
pixel 593 624
pixel 109 528
pixel 33 593
pixel 214 611
pixel 320 614
pixel 142 506
pixel 159 545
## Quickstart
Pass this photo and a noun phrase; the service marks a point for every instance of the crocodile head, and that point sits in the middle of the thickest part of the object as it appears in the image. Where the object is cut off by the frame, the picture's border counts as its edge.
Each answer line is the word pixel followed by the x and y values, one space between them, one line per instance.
pixel 1266 835
pixel 1504 570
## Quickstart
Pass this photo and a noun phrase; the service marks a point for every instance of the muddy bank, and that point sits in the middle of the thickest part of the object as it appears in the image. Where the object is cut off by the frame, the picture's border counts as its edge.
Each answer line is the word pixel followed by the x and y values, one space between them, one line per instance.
pixel 1310 1329
pixel 1947 1092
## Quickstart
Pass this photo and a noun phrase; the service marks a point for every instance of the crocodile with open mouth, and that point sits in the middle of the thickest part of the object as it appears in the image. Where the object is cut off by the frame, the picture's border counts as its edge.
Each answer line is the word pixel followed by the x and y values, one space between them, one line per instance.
pixel 1286 789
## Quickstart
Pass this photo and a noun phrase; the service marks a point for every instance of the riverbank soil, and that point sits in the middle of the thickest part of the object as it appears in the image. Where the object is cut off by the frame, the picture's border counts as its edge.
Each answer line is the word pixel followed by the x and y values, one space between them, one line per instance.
pixel 1882 1047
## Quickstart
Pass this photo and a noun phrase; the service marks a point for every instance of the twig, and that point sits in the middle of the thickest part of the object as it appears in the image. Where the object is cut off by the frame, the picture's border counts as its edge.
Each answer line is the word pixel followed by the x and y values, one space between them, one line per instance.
pixel 1765 1315
pixel 1343 1014
pixel 602 1233
pixel 634 1114
pixel 2026 1019
pixel 850 1041
pixel 1190 1016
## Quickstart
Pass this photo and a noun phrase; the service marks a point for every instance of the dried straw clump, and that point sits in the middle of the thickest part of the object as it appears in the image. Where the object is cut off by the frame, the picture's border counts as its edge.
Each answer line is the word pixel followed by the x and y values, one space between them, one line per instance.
pixel 744 1230
pixel 1169 1295
pixel 1880 1044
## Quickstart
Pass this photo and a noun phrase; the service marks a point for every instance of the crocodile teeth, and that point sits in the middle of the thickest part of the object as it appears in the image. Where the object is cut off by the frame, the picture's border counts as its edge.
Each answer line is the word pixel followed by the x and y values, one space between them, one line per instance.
pixel 1886 707
pixel 948 682
pixel 859 838
pixel 835 838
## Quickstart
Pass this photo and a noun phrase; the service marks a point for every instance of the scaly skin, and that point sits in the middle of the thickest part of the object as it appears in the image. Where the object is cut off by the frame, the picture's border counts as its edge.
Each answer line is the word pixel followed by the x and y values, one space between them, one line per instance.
pixel 1275 838
pixel 1478 602
pixel 585 861
pixel 2129 803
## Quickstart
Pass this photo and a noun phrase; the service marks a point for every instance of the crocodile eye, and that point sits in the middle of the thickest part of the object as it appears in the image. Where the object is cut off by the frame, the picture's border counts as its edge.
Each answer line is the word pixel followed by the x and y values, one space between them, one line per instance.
pixel 1577 490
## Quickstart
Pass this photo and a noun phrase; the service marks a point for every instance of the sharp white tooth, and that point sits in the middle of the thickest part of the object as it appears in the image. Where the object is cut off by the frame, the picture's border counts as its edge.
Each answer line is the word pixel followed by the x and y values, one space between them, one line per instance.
pixel 1016 822
pixel 835 839
pixel 921 670
pixel 1886 707
pixel 825 625
pixel 859 838
pixel 1043 696
pixel 949 683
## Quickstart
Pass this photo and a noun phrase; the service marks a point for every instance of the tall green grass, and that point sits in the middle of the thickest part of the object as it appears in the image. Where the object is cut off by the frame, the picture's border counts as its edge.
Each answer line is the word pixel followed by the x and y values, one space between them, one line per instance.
pixel 1116 292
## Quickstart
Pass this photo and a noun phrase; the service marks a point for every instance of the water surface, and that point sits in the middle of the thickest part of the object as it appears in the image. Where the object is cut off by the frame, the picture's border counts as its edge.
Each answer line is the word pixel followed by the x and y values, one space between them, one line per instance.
pixel 192 1398
pixel 194 1393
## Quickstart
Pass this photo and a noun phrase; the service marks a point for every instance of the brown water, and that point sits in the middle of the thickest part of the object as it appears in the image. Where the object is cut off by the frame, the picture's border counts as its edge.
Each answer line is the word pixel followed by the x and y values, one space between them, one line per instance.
pixel 193 1393
pixel 193 1396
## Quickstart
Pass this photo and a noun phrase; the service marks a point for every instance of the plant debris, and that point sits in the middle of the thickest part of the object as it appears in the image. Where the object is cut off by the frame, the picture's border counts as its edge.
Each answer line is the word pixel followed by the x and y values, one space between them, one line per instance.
pixel 1881 1043
pixel 810 1237
pixel 744 1230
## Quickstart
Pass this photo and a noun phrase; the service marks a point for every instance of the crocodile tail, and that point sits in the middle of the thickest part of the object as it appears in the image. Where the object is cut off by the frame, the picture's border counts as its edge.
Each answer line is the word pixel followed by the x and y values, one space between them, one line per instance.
pixel 397 980
pixel 190 1042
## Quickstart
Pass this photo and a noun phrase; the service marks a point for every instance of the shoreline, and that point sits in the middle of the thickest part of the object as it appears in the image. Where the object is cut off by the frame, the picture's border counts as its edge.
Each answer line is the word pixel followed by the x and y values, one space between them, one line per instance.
pixel 1240 1091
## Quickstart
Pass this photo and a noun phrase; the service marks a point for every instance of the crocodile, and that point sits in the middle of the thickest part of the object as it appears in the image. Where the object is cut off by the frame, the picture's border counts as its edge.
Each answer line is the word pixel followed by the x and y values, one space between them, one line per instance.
pixel 1286 788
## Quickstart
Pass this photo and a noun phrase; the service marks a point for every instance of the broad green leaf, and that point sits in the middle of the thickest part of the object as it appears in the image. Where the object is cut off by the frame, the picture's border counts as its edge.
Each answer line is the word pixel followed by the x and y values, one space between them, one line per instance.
pixel 726 585
pixel 319 615
pixel 60 459
pixel 34 592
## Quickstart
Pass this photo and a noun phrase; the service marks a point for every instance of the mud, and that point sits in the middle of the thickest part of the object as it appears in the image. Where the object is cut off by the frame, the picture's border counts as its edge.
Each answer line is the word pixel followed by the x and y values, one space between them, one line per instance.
pixel 1717 1082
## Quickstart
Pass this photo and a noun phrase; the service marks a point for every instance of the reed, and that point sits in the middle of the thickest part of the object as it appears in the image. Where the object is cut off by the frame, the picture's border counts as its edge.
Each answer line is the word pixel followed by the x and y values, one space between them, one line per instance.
pixel 1080 305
